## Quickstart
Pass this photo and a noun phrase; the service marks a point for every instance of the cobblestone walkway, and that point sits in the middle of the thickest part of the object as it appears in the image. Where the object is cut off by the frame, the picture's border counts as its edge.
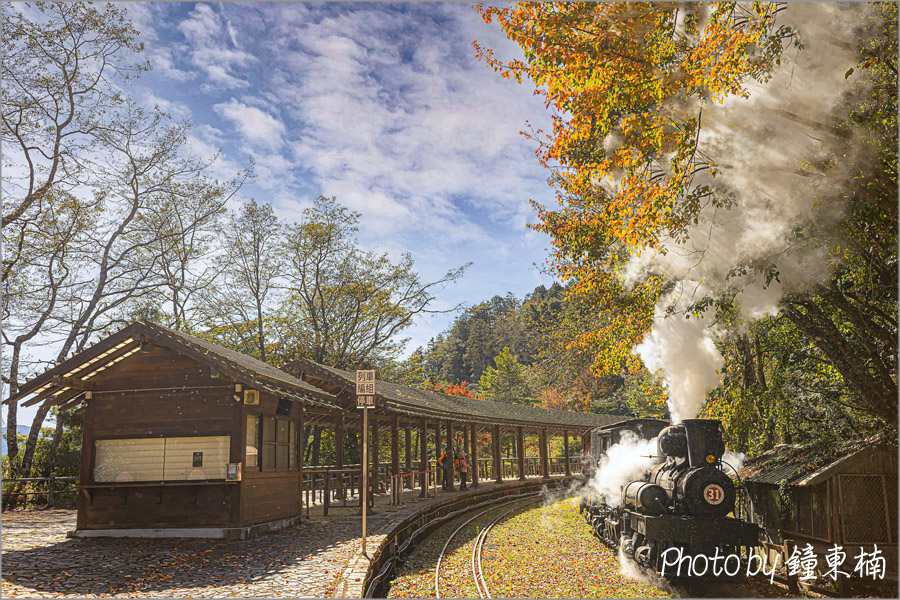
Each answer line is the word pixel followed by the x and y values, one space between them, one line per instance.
pixel 303 561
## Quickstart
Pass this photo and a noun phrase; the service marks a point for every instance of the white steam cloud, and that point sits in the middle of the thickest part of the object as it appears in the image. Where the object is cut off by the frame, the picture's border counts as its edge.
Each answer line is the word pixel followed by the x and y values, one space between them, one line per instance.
pixel 734 459
pixel 623 462
pixel 767 147
pixel 684 352
pixel 630 569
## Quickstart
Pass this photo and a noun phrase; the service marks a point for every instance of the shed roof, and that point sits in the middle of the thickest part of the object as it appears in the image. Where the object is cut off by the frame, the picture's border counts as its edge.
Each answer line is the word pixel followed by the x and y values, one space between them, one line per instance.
pixel 803 464
pixel 63 384
pixel 411 401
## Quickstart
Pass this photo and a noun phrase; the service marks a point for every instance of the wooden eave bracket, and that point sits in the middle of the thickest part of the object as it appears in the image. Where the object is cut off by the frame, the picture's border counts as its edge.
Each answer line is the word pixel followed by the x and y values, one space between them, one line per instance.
pixel 72 382
pixel 145 343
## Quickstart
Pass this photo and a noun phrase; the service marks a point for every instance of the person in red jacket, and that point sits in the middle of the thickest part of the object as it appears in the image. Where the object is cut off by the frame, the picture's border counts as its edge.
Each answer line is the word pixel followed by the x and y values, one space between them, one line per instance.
pixel 442 465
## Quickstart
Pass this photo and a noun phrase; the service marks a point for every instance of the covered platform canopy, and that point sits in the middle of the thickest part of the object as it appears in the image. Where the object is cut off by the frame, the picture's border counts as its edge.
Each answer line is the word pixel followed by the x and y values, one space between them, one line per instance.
pixel 452 419
pixel 392 398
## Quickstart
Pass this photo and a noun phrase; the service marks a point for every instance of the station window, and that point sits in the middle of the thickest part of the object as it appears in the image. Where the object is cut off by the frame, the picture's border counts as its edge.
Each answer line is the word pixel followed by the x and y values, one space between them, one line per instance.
pixel 252 443
pixel 161 459
pixel 278 443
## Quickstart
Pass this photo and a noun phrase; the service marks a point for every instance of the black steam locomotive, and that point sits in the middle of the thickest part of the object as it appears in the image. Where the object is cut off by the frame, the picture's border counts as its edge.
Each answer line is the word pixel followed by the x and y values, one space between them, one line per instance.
pixel 684 501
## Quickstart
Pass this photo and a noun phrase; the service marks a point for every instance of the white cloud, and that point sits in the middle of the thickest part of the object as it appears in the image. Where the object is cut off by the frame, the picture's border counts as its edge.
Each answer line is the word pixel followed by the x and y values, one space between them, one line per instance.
pixel 221 166
pixel 203 25
pixel 143 16
pixel 273 171
pixel 162 61
pixel 218 75
pixel 209 134
pixel 177 110
pixel 257 127
pixel 387 109
pixel 408 120
pixel 213 46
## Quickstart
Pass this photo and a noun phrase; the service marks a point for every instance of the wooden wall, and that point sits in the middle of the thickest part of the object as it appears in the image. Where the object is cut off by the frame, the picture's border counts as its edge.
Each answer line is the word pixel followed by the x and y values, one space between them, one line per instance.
pixel 153 507
pixel 878 509
pixel 204 407
pixel 269 495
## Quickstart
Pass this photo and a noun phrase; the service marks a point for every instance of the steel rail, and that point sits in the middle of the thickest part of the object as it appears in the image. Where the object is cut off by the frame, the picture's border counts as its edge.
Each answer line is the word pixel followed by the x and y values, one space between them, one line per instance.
pixel 437 568
pixel 435 522
pixel 477 571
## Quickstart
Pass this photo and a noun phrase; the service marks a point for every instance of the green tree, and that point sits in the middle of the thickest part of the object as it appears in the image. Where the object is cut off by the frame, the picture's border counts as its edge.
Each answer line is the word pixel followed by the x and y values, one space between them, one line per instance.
pixel 477 335
pixel 411 372
pixel 239 304
pixel 92 219
pixel 852 319
pixel 60 80
pixel 777 389
pixel 345 305
pixel 189 266
pixel 641 395
pixel 510 381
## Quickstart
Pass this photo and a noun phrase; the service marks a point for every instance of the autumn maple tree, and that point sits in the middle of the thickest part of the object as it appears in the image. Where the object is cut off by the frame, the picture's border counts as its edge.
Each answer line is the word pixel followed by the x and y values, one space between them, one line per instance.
pixel 625 84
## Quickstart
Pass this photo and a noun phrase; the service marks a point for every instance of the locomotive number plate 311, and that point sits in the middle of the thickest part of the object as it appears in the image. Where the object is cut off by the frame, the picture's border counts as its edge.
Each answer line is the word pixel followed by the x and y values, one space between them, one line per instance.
pixel 713 493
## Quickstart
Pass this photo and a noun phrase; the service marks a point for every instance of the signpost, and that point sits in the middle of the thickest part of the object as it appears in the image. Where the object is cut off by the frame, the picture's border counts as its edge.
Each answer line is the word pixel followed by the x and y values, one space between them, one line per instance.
pixel 365 398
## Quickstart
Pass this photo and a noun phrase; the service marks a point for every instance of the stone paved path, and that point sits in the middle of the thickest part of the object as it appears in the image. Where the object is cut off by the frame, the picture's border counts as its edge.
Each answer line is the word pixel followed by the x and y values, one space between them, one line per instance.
pixel 319 558
pixel 303 561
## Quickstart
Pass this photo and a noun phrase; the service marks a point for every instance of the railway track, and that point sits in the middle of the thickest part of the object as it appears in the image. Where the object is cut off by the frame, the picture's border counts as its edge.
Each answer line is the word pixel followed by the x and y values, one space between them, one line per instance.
pixel 475 562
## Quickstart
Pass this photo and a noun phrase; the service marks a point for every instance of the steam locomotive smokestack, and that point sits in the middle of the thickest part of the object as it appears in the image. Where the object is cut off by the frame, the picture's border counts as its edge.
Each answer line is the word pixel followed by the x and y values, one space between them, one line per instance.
pixel 772 143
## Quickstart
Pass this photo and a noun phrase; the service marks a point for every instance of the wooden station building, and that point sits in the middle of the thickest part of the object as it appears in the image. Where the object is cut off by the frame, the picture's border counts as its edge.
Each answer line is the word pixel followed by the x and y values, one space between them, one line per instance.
pixel 184 438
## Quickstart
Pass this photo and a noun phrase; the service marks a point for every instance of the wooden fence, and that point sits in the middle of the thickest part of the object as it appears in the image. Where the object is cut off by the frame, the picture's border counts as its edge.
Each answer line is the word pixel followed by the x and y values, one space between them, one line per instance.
pixel 52 486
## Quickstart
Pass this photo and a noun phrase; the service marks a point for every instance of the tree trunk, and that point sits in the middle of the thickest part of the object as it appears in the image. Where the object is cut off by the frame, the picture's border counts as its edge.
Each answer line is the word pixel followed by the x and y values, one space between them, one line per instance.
pixel 307 447
pixel 261 338
pixel 353 441
pixel 12 437
pixel 54 444
pixel 31 443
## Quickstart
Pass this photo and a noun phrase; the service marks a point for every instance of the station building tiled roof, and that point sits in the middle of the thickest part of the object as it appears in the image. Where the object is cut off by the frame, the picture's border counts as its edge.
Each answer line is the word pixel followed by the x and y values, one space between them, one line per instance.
pixel 414 402
pixel 64 383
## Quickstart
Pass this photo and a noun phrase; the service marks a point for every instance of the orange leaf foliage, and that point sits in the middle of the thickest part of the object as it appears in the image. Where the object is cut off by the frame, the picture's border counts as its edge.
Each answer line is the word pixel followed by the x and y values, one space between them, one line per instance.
pixel 455 389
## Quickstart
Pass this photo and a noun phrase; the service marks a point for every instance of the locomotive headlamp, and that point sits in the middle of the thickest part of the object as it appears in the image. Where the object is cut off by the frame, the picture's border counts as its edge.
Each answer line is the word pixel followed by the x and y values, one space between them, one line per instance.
pixel 711 458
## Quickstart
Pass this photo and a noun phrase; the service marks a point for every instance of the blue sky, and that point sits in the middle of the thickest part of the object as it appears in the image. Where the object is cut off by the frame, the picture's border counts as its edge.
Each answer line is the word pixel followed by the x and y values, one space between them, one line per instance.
pixel 384 106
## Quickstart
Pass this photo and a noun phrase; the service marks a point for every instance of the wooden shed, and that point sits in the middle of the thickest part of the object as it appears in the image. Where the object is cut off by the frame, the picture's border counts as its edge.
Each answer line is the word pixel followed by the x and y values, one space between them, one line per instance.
pixel 826 494
pixel 181 437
